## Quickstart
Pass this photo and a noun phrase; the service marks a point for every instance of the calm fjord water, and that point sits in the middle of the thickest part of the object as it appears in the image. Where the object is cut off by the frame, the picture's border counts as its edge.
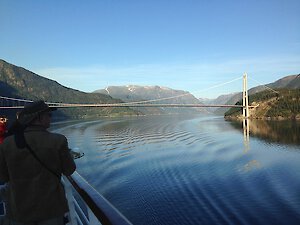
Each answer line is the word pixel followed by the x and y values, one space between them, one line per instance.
pixel 192 170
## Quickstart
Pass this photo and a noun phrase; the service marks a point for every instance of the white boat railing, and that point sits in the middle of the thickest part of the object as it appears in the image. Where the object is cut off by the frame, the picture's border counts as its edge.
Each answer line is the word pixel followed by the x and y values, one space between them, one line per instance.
pixel 87 206
pixel 2 205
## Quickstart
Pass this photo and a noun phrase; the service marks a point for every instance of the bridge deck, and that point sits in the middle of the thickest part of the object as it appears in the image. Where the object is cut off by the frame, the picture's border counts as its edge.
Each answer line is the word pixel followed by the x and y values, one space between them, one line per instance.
pixel 134 105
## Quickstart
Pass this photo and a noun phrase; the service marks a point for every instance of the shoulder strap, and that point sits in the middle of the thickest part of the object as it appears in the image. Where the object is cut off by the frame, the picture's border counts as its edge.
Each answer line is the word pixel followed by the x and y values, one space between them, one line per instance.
pixel 40 161
pixel 21 143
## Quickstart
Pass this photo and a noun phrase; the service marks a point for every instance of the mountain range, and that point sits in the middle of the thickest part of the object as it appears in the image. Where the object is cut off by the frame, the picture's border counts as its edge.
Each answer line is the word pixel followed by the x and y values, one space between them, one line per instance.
pixel 154 94
pixel 17 82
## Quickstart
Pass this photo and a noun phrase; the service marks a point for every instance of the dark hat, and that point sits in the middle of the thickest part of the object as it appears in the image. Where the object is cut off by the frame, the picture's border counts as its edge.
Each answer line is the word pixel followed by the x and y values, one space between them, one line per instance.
pixel 32 110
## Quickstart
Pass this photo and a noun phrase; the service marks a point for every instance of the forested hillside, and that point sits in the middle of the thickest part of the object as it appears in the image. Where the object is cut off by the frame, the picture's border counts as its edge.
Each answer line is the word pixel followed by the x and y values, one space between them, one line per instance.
pixel 288 82
pixel 18 82
pixel 283 104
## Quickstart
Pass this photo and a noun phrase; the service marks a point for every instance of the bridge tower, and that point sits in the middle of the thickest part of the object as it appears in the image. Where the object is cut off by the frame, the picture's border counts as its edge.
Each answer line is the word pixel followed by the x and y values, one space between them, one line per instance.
pixel 245 97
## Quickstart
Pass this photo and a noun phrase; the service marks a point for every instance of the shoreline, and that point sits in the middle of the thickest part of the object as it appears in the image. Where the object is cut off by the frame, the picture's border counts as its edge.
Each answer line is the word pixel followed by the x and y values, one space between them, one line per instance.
pixel 278 118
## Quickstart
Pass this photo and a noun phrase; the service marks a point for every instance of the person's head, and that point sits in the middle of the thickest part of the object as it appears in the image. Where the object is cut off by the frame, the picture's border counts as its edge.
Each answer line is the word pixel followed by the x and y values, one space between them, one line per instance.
pixel 3 119
pixel 36 113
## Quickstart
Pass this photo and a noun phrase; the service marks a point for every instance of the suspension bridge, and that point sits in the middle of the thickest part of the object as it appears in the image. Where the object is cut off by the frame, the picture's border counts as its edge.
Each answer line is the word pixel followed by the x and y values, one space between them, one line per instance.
pixel 16 103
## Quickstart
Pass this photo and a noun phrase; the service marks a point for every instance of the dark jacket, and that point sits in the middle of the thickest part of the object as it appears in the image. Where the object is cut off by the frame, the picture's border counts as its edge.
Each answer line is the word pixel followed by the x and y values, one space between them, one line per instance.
pixel 34 193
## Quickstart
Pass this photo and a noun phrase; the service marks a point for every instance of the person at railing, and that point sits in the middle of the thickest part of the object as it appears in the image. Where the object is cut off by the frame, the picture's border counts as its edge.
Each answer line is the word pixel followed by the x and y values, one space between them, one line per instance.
pixel 3 127
pixel 3 132
pixel 32 161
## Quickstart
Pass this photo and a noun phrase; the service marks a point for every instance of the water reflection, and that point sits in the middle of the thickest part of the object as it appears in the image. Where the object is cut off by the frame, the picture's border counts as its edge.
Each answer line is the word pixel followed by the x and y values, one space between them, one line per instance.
pixel 251 165
pixel 246 129
pixel 282 132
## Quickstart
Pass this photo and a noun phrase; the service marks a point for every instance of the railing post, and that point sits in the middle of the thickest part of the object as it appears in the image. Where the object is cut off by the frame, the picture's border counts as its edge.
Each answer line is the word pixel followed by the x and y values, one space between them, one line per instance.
pixel 70 198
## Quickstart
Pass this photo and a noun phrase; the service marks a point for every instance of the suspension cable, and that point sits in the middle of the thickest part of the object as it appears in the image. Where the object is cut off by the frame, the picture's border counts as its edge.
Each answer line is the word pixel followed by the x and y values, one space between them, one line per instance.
pixel 222 84
pixel 264 85
pixel 125 103
pixel 16 99
pixel 177 96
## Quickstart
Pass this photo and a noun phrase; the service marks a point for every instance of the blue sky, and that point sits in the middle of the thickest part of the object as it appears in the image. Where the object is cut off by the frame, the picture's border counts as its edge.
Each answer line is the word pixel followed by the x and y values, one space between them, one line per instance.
pixel 190 45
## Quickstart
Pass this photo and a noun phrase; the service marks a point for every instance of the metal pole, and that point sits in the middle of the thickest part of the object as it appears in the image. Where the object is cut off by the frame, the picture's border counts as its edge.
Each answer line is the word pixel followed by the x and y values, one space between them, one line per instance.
pixel 70 198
